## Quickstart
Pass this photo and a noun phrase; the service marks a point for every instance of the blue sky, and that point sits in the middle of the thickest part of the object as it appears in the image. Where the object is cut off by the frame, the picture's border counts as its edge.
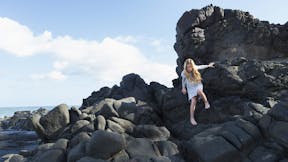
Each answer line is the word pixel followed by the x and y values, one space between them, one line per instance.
pixel 60 51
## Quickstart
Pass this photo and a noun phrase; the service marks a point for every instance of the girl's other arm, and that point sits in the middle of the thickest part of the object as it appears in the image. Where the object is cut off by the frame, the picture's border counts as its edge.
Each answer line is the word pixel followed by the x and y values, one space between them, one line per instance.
pixel 183 79
pixel 202 66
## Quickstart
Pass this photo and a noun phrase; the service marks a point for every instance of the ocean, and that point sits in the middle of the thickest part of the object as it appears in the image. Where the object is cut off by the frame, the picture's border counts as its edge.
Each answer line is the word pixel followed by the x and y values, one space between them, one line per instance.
pixel 9 111
pixel 12 141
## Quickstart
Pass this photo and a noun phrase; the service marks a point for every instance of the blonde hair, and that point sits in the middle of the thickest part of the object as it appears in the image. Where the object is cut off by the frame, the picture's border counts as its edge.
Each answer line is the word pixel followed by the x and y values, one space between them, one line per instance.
pixel 196 76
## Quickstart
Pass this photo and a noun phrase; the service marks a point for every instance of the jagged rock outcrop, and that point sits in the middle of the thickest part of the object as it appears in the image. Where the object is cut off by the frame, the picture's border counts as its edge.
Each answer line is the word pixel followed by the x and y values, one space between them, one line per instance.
pixel 213 33
pixel 131 85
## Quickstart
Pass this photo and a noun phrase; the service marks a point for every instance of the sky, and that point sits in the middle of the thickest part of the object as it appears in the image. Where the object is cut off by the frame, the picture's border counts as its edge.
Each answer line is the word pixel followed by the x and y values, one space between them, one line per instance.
pixel 56 52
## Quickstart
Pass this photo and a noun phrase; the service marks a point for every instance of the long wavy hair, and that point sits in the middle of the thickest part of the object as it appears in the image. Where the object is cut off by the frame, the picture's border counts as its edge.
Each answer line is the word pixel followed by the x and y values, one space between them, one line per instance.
pixel 196 76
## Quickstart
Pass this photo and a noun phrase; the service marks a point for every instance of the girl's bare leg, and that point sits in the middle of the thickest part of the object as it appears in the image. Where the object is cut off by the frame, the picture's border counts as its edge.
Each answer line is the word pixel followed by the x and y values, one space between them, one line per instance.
pixel 192 110
pixel 203 96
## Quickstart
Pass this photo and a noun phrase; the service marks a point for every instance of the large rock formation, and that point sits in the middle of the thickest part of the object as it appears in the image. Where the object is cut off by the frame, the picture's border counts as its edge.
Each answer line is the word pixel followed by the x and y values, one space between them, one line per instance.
pixel 244 123
pixel 137 121
pixel 213 33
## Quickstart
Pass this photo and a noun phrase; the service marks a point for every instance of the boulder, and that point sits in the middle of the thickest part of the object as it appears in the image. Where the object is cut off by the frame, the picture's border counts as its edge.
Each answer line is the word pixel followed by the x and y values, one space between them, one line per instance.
pixel 51 125
pixel 280 110
pixel 56 155
pixel 13 158
pixel 211 148
pixel 224 142
pixel 80 137
pixel 74 114
pixel 77 152
pixel 90 159
pixel 61 143
pixel 141 147
pixel 125 124
pixel 104 144
pixel 120 156
pixel 115 127
pixel 167 148
pixel 78 125
pixel 279 131
pixel 152 132
pixel 100 122
pixel 263 154
pixel 107 110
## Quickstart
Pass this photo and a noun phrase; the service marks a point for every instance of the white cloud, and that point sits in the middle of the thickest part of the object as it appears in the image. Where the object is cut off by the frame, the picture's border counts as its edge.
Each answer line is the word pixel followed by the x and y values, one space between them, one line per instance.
pixel 54 75
pixel 127 39
pixel 19 40
pixel 159 45
pixel 107 60
pixel 60 64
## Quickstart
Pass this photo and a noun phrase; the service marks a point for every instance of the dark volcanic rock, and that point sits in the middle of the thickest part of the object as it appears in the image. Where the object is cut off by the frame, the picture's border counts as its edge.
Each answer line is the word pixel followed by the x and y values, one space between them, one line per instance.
pixel 50 125
pixel 105 144
pixel 21 120
pixel 213 33
pixel 131 85
pixel 152 132
pixel 247 117
pixel 226 142
pixel 253 79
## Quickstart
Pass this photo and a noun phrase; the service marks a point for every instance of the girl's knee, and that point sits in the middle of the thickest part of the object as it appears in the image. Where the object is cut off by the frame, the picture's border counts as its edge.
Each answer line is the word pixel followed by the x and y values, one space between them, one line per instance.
pixel 193 99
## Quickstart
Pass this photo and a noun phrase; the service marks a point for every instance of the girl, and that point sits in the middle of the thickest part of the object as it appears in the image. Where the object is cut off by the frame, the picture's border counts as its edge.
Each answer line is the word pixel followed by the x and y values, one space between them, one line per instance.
pixel 191 79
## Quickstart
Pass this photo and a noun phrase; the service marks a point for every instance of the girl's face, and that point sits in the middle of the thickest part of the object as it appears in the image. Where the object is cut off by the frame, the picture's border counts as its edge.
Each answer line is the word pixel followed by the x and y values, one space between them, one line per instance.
pixel 189 67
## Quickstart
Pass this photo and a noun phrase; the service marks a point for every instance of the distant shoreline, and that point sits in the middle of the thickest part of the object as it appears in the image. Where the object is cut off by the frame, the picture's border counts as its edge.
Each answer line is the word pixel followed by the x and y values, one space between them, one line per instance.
pixel 9 111
pixel 35 106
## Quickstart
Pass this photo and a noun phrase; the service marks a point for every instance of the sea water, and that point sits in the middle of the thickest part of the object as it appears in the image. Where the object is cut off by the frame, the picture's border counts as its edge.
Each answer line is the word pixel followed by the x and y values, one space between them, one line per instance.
pixel 12 141
pixel 9 111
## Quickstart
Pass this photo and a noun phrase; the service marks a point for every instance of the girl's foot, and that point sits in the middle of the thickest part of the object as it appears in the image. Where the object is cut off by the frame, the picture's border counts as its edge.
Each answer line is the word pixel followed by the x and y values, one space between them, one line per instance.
pixel 207 105
pixel 193 122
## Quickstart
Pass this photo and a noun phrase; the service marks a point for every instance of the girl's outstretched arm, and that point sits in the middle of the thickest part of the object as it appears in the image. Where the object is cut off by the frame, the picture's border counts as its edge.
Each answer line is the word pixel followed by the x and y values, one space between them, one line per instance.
pixel 211 64
pixel 202 66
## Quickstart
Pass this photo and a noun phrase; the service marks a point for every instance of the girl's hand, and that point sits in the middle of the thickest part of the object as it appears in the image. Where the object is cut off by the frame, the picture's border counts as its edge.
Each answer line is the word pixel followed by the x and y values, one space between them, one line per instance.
pixel 184 91
pixel 211 64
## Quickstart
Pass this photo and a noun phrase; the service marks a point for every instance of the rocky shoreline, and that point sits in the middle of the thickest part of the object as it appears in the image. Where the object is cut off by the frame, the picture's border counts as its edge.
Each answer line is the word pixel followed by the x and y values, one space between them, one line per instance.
pixel 17 133
pixel 136 121
pixel 20 121
pixel 13 141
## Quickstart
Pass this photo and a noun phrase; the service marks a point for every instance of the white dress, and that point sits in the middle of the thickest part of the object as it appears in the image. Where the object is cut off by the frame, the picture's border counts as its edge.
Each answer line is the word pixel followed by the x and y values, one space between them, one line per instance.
pixel 192 87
